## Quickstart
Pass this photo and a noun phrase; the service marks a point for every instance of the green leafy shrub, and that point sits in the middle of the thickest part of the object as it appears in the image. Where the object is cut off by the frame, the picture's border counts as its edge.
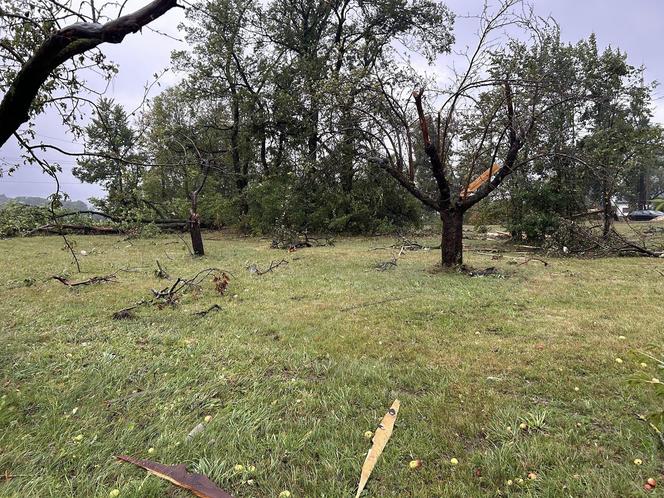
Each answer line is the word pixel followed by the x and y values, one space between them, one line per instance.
pixel 16 219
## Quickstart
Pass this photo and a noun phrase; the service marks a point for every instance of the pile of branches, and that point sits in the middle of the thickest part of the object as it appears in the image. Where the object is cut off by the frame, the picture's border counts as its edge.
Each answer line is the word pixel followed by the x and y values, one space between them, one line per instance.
pixel 170 295
pixel 576 239
pixel 405 244
pixel 293 240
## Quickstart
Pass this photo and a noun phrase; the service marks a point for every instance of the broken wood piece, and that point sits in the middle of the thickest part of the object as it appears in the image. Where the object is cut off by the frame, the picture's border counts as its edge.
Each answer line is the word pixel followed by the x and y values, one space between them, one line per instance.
pixel 198 484
pixel 480 180
pixel 380 439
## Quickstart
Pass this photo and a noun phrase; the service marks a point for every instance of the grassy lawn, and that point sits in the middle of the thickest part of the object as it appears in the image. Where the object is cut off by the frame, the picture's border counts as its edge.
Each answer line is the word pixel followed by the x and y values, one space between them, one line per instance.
pixel 302 361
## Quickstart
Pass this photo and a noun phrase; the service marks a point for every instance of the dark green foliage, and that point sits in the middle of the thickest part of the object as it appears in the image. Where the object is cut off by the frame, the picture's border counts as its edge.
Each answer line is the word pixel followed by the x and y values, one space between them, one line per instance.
pixel 374 205
pixel 537 213
pixel 42 201
pixel 110 136
pixel 16 219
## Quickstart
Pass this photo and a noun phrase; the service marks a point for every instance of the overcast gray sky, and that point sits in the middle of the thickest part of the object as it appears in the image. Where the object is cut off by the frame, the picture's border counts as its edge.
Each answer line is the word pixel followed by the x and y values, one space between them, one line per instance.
pixel 635 27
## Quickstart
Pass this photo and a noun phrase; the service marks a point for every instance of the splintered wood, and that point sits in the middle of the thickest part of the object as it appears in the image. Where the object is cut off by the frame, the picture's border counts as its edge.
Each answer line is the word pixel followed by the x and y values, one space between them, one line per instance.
pixel 380 439
pixel 480 180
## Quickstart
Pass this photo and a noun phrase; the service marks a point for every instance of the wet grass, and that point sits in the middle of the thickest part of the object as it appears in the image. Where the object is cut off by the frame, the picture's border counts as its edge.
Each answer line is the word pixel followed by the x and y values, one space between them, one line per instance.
pixel 301 362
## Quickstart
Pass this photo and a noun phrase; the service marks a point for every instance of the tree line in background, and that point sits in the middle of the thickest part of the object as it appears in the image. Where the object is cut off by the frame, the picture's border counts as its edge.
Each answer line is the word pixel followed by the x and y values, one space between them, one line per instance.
pixel 309 116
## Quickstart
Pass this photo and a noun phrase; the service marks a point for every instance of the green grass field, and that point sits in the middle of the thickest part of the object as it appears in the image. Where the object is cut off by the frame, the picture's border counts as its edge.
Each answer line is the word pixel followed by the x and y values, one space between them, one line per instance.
pixel 302 361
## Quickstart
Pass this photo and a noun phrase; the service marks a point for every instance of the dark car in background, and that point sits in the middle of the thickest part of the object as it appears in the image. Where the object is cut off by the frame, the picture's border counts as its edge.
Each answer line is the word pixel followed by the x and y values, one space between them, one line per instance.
pixel 644 215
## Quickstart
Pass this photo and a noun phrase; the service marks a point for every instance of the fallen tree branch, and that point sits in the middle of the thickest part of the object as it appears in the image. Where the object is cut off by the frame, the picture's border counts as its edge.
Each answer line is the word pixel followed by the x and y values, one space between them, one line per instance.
pixel 169 296
pixel 534 259
pixel 160 272
pixel 386 265
pixel 214 307
pixel 84 229
pixel 273 265
pixel 90 281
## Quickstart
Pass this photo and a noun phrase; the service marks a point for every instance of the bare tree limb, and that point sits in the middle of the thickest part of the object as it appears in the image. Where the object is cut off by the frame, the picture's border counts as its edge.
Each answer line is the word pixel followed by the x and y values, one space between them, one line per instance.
pixel 61 46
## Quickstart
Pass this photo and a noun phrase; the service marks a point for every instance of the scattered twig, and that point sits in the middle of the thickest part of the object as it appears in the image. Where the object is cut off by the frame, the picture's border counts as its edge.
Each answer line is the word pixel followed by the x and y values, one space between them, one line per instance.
pixel 491 271
pixel 191 253
pixel 273 265
pixel 168 296
pixel 292 241
pixel 129 396
pixel 386 265
pixel 214 307
pixel 90 281
pixel 132 270
pixel 6 476
pixel 161 273
pixel 127 313
pixel 527 260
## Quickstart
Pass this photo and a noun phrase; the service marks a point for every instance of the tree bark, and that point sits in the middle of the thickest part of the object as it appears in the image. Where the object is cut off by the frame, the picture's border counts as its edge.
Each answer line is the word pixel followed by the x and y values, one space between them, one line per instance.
pixel 452 237
pixel 607 213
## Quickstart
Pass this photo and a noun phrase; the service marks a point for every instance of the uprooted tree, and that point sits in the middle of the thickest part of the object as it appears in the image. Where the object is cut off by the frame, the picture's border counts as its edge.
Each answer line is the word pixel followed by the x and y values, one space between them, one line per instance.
pixel 486 126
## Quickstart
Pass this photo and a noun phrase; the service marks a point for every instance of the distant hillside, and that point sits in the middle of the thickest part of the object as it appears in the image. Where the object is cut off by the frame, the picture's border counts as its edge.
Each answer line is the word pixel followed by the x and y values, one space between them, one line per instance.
pixel 40 201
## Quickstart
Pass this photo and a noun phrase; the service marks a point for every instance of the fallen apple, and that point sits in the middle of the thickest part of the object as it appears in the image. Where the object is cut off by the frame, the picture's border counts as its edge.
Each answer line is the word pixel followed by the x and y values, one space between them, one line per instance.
pixel 415 464
pixel 652 482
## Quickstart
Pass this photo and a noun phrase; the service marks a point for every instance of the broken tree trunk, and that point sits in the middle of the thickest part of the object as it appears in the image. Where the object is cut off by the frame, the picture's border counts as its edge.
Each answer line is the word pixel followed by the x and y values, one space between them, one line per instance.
pixel 196 236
